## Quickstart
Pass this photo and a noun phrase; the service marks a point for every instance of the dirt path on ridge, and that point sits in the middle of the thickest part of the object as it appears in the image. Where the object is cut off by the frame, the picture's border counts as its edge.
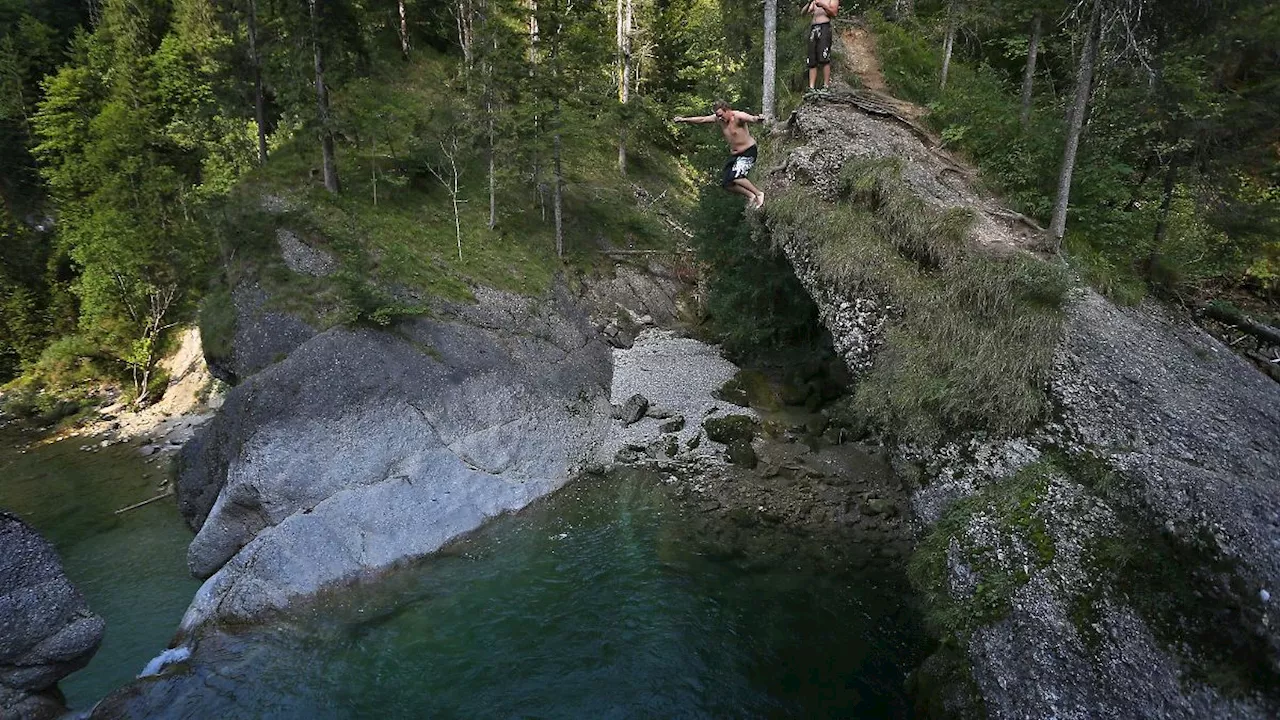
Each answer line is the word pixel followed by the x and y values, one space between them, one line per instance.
pixel 862 59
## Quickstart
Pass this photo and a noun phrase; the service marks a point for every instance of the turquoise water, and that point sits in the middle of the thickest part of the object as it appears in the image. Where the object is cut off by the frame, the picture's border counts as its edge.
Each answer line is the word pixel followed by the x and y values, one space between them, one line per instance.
pixel 602 601
pixel 131 567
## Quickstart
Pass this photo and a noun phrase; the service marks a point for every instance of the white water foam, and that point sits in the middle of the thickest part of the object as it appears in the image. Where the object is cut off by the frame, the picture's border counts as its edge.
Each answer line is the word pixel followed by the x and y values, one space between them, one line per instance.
pixel 165 659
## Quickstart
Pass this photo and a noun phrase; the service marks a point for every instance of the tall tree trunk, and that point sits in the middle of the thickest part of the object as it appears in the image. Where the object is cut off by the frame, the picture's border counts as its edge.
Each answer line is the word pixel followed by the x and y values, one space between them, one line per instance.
pixel 536 159
pixel 1075 124
pixel 322 105
pixel 903 9
pixel 770 58
pixel 259 96
pixel 559 190
pixel 488 111
pixel 1166 201
pixel 493 183
pixel 1029 74
pixel 404 29
pixel 624 75
pixel 466 32
pixel 949 43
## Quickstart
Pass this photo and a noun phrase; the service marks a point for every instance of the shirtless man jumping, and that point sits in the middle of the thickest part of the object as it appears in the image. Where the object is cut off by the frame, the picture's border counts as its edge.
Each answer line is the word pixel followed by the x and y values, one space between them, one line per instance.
pixel 820 39
pixel 742 147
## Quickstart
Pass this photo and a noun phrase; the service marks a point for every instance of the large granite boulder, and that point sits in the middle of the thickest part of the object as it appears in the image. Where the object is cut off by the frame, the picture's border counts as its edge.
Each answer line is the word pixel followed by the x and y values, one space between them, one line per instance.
pixel 1119 561
pixel 46 629
pixel 364 448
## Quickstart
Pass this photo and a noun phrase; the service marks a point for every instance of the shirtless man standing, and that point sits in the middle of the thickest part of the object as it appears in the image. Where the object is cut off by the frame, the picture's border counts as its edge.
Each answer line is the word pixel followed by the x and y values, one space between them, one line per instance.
pixel 820 39
pixel 742 147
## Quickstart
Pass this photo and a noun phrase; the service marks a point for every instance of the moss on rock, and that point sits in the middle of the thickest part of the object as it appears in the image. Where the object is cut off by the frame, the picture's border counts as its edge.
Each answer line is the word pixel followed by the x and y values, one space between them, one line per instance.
pixel 731 428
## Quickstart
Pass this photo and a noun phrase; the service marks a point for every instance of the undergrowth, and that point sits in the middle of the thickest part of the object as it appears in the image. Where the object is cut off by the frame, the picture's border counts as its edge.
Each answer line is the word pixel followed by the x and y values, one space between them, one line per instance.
pixel 971 340
pixel 1111 227
pixel 392 228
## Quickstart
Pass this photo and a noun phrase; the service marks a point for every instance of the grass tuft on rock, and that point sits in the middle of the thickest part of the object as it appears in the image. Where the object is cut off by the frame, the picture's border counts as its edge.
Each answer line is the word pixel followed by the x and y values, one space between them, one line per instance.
pixel 971 339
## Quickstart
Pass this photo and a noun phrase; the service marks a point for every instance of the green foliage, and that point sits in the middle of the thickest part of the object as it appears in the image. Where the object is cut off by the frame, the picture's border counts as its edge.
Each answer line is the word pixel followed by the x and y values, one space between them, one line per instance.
pixel 753 298
pixel 972 340
pixel 365 304
pixel 1196 119
pixel 217 321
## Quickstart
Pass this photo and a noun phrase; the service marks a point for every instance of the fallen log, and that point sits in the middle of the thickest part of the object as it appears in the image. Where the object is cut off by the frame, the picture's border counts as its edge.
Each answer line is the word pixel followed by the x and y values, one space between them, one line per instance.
pixel 148 501
pixel 1229 314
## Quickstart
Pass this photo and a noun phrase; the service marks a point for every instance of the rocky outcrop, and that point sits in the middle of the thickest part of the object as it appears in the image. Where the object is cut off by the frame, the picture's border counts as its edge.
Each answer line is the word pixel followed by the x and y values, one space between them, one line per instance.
pixel 302 258
pixel 46 629
pixel 365 448
pixel 262 335
pixel 1120 561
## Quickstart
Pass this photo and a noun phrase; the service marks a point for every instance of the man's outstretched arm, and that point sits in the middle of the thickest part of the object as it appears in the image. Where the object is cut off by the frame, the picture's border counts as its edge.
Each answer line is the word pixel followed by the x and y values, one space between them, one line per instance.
pixel 748 117
pixel 698 119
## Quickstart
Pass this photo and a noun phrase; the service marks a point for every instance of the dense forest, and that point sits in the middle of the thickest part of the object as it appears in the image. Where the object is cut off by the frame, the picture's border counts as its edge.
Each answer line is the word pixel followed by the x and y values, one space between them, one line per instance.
pixel 137 136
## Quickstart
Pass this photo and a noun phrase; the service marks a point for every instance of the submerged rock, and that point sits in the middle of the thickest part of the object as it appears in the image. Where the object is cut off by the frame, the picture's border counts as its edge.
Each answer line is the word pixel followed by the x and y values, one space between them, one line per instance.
pixel 741 453
pixel 731 428
pixel 46 629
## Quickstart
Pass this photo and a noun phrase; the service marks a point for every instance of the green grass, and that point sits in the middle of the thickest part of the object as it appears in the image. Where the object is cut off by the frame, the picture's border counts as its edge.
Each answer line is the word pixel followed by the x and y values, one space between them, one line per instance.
pixel 971 342
pixel 404 244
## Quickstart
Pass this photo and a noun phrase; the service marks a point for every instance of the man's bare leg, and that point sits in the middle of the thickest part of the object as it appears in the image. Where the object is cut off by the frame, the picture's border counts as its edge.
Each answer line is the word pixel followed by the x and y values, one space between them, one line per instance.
pixel 743 186
pixel 813 76
pixel 739 190
pixel 826 76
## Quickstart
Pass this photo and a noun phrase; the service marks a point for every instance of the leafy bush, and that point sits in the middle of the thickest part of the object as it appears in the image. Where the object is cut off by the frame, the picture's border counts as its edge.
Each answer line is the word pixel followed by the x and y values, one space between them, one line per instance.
pixel 365 304
pixel 754 300
pixel 217 323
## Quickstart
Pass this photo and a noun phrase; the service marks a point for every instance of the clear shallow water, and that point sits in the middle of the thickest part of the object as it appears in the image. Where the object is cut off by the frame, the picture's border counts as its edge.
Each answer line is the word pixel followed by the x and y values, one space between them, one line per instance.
pixel 131 567
pixel 595 603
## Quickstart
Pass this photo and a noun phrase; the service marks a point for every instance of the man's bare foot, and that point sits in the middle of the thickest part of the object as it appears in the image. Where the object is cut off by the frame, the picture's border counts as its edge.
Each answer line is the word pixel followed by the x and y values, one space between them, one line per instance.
pixel 759 201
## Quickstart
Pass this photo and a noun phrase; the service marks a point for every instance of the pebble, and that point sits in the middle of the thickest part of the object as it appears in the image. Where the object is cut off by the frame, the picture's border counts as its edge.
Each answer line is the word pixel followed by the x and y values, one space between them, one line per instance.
pixel 1266 596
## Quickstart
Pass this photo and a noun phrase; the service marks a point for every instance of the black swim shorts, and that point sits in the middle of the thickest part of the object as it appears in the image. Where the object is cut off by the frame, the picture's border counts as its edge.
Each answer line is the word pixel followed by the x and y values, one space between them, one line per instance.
pixel 819 44
pixel 738 166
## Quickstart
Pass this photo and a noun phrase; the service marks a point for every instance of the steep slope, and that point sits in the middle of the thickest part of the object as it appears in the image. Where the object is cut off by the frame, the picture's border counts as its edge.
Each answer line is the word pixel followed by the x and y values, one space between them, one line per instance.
pixel 1099 540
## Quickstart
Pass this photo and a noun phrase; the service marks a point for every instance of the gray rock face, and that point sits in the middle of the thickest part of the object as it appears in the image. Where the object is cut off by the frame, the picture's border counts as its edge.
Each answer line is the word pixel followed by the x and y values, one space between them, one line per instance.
pixel 46 629
pixel 364 448
pixel 263 336
pixel 1193 427
pixel 1191 431
pixel 637 292
pixel 302 258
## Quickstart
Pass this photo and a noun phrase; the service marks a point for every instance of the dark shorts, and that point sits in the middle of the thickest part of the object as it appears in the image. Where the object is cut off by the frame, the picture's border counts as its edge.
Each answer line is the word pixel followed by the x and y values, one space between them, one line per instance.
pixel 738 166
pixel 819 44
